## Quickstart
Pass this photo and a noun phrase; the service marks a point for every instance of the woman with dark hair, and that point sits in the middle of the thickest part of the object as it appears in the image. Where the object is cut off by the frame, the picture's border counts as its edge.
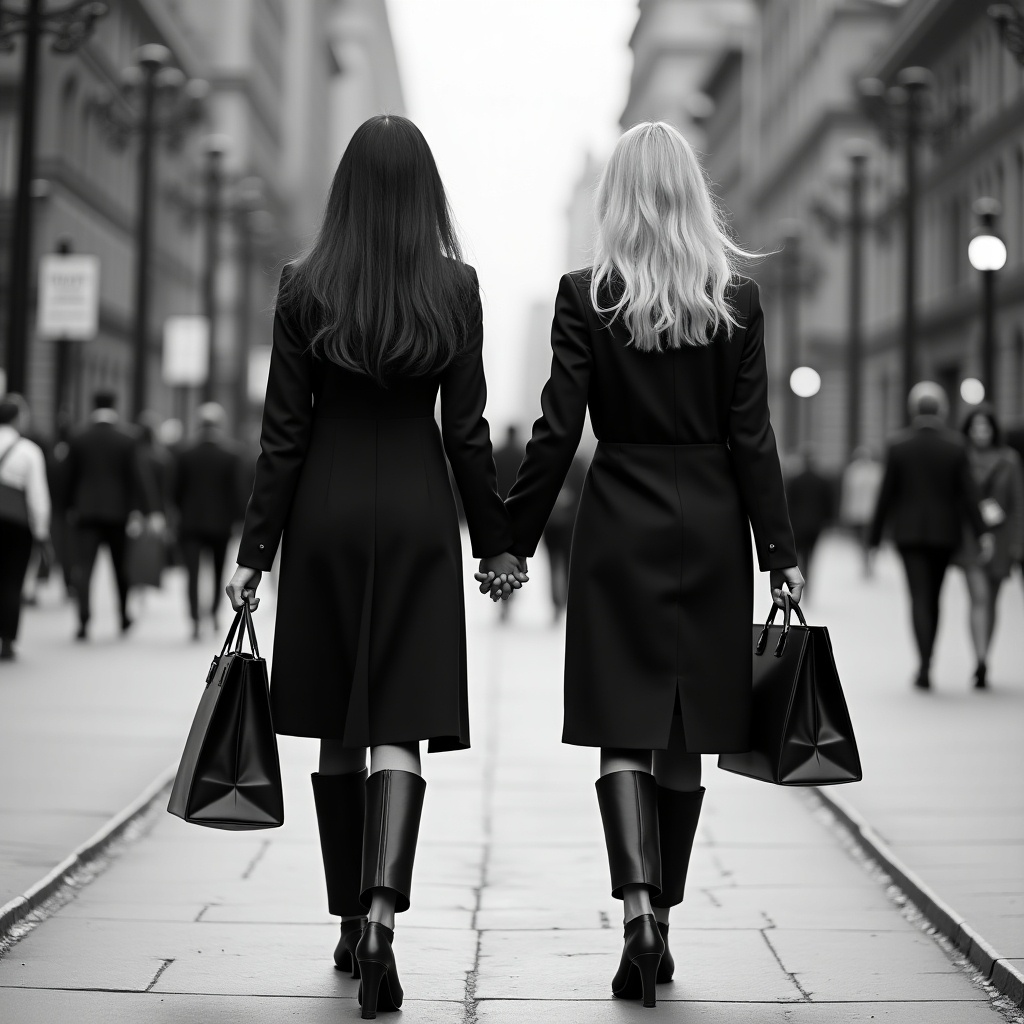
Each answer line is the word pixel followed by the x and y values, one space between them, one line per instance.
pixel 664 343
pixel 996 470
pixel 370 648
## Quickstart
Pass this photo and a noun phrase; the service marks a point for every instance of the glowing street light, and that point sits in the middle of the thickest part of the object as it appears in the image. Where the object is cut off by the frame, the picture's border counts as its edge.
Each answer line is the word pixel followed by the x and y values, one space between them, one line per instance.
pixel 972 391
pixel 805 382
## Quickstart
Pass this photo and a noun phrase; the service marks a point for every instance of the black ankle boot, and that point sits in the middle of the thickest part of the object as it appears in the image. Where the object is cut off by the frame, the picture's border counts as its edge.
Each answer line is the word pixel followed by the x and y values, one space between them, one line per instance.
pixel 340 810
pixel 379 987
pixel 641 957
pixel 678 815
pixel 345 951
pixel 394 804
pixel 981 676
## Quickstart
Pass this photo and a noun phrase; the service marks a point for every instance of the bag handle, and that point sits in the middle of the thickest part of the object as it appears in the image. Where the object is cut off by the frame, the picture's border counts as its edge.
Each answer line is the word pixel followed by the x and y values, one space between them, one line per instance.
pixel 245 615
pixel 788 604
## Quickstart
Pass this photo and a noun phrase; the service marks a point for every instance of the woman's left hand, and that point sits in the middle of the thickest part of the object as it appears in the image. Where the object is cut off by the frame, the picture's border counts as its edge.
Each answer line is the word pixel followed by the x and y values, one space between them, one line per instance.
pixel 242 586
pixel 501 575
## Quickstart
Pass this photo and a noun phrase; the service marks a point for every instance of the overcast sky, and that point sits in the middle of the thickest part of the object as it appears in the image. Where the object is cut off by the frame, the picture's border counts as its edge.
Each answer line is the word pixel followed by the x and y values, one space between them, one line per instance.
pixel 510 96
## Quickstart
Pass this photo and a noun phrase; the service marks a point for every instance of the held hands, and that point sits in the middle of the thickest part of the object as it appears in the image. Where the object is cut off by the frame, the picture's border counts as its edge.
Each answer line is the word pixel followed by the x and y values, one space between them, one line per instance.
pixel 242 586
pixel 793 579
pixel 987 544
pixel 500 575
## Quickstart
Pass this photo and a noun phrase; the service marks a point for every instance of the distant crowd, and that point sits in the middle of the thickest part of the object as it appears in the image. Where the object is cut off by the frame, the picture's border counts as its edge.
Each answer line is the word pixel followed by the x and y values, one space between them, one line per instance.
pixel 144 491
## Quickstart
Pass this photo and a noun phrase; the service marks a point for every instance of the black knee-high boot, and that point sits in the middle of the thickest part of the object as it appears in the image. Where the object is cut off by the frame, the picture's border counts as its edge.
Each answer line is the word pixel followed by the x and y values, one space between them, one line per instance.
pixel 394 803
pixel 340 809
pixel 629 811
pixel 678 814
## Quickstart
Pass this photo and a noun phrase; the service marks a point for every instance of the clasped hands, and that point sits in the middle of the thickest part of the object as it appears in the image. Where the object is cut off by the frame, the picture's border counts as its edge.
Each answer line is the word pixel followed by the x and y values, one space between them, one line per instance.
pixel 501 575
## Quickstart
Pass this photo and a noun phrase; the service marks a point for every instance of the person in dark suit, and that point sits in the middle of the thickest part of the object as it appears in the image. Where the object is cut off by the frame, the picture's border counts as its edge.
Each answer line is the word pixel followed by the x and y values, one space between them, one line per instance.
pixel 106 484
pixel 207 496
pixel 370 645
pixel 927 498
pixel 811 507
pixel 665 343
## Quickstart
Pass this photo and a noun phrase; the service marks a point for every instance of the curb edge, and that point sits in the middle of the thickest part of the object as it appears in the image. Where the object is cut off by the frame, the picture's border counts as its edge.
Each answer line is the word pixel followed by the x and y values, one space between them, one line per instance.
pixel 21 906
pixel 997 970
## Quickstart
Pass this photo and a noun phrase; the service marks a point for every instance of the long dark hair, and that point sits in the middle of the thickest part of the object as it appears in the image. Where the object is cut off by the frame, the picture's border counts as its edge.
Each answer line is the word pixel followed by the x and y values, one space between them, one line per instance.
pixel 988 413
pixel 383 290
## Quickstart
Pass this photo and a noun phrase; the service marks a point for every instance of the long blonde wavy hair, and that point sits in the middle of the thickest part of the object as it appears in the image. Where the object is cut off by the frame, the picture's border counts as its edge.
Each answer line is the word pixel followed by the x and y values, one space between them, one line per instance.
pixel 663 255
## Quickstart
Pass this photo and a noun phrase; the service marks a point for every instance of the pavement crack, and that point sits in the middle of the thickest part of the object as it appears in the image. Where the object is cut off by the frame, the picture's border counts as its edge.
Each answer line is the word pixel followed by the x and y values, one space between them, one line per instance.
pixel 804 994
pixel 260 854
pixel 159 971
pixel 199 916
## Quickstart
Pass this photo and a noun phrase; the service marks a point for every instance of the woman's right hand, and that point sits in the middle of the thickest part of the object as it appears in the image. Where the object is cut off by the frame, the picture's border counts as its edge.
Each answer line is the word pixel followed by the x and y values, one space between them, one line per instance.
pixel 794 581
pixel 242 586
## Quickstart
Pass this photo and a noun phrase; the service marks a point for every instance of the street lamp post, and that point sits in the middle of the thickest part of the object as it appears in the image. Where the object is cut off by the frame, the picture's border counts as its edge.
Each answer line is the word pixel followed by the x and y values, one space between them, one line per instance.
pixel 70 24
pixel 215 148
pixel 900 111
pixel 156 99
pixel 987 253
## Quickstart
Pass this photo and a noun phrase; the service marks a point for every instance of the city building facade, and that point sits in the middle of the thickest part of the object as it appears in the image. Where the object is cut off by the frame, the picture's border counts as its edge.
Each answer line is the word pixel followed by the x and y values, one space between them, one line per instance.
pixel 289 81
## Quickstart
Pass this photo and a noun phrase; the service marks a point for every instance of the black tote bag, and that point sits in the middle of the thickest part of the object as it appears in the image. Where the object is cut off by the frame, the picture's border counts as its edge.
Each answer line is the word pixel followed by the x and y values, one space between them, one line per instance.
pixel 800 727
pixel 230 775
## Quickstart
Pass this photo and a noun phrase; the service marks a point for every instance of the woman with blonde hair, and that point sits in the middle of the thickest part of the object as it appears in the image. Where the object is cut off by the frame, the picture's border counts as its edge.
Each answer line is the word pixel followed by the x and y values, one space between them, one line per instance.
pixel 665 344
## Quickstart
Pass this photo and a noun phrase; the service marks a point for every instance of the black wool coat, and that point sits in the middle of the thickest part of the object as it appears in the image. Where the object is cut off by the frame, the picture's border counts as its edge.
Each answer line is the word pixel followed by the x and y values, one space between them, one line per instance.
pixel 370 644
pixel 105 476
pixel 660 580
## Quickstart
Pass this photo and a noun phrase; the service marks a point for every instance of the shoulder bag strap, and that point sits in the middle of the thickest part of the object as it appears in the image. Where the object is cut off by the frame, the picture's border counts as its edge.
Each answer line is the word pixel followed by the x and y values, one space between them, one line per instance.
pixel 10 448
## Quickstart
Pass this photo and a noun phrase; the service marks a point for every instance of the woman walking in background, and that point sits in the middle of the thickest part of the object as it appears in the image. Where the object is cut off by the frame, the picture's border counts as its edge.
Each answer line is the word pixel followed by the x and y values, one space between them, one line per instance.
pixel 666 344
pixel 996 470
pixel 370 643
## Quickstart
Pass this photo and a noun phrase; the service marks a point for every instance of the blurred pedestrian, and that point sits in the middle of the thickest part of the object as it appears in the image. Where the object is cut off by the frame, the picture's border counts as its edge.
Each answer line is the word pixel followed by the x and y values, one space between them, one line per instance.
pixel 1015 440
pixel 157 463
pixel 862 480
pixel 207 495
pixel 811 501
pixel 24 514
pixel 927 499
pixel 996 469
pixel 107 486
pixel 61 531
pixel 370 644
pixel 508 457
pixel 665 343
pixel 558 533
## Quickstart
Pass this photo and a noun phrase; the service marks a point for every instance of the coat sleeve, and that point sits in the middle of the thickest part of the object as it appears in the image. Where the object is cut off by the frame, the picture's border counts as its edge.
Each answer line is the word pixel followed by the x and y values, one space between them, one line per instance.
pixel 467 441
pixel 284 439
pixel 755 455
pixel 556 435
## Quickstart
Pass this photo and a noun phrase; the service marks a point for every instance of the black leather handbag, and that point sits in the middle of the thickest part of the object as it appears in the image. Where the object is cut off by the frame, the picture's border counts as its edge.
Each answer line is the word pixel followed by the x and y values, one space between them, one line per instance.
pixel 230 775
pixel 800 727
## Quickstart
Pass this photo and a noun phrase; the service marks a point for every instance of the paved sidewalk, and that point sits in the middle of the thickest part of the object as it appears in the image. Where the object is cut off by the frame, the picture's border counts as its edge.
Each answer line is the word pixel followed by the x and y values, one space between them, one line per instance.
pixel 942 770
pixel 84 727
pixel 511 920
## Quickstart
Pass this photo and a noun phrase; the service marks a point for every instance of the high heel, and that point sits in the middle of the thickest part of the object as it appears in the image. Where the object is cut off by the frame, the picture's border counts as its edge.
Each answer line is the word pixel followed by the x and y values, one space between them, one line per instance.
pixel 379 987
pixel 642 951
pixel 345 951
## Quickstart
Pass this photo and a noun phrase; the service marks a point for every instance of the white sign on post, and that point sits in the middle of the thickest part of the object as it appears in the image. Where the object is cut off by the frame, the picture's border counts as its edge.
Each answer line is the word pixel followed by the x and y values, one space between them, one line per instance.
pixel 69 297
pixel 186 356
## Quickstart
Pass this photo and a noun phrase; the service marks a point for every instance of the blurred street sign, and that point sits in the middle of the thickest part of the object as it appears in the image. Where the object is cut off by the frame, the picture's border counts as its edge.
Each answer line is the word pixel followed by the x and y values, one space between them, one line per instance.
pixel 69 297
pixel 259 373
pixel 186 360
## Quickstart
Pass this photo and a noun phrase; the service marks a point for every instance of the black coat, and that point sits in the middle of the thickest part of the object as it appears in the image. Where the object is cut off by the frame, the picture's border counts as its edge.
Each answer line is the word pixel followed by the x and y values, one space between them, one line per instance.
pixel 928 494
pixel 207 489
pixel 660 582
pixel 105 477
pixel 370 645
